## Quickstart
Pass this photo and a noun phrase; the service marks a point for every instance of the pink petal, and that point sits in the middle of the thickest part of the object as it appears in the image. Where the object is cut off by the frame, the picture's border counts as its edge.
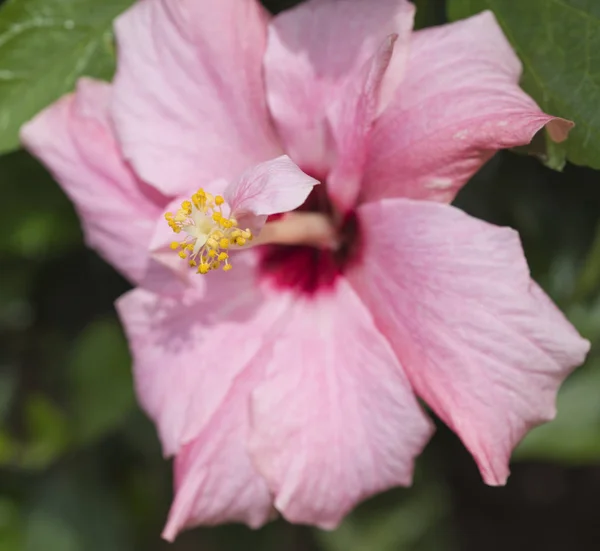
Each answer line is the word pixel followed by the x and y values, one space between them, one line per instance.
pixel 188 349
pixel 214 476
pixel 189 97
pixel 458 104
pixel 353 115
pixel 272 187
pixel 481 344
pixel 335 420
pixel 313 50
pixel 74 139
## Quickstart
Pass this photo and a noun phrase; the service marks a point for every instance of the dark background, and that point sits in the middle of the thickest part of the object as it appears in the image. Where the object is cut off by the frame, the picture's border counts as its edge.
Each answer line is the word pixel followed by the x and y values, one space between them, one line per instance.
pixel 80 465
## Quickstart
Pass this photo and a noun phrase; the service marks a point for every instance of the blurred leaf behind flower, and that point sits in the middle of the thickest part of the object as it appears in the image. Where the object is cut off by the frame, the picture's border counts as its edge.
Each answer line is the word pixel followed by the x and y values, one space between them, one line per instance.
pixel 558 42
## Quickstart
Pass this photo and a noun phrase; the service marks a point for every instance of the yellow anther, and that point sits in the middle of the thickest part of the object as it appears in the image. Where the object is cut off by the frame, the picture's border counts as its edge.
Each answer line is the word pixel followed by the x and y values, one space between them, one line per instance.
pixel 197 200
pixel 207 233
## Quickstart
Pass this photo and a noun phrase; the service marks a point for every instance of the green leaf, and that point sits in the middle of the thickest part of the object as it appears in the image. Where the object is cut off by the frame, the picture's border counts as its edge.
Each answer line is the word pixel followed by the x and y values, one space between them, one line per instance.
pixel 410 520
pixel 574 436
pixel 45 45
pixel 47 436
pixel 589 279
pixel 557 41
pixel 100 381
pixel 38 220
pixel 75 509
pixel 11 526
pixel 48 433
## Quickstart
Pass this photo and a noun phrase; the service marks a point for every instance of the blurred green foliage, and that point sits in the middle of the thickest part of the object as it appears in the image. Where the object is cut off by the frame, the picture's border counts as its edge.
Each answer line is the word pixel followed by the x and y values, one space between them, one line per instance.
pixel 80 466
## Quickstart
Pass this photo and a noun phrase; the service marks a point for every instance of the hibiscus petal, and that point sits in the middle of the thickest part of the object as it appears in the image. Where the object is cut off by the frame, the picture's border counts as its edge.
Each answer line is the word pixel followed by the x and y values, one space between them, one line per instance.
pixel 272 187
pixel 188 349
pixel 214 477
pixel 313 50
pixel 458 104
pixel 335 420
pixel 353 114
pixel 481 344
pixel 74 139
pixel 189 100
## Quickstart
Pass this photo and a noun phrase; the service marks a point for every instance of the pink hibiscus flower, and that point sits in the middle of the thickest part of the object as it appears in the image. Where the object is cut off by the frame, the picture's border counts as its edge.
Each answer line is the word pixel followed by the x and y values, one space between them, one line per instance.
pixel 289 383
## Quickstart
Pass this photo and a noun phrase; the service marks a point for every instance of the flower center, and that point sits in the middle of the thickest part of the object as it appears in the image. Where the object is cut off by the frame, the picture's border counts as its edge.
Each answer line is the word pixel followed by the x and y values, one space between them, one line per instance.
pixel 308 269
pixel 208 232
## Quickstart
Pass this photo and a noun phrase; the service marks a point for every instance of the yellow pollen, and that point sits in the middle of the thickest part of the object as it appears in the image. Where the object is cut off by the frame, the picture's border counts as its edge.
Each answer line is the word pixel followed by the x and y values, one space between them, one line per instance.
pixel 208 232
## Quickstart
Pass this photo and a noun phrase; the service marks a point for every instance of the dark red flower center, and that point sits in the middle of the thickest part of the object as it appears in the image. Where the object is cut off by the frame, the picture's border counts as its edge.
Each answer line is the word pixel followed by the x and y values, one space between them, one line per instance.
pixel 307 269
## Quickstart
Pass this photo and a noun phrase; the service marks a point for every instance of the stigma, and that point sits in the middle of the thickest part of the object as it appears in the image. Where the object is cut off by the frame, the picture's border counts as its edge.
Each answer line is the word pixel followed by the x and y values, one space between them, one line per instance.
pixel 209 230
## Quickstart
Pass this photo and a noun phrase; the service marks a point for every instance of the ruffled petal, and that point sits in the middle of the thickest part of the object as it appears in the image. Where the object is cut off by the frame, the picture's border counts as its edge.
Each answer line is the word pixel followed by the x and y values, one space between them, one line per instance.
pixel 189 101
pixel 215 480
pixel 335 419
pixel 352 117
pixel 188 349
pixel 74 139
pixel 458 104
pixel 272 187
pixel 480 342
pixel 314 50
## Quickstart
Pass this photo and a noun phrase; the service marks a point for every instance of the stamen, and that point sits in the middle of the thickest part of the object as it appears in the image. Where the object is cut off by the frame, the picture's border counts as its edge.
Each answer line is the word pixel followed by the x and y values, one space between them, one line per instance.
pixel 208 232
